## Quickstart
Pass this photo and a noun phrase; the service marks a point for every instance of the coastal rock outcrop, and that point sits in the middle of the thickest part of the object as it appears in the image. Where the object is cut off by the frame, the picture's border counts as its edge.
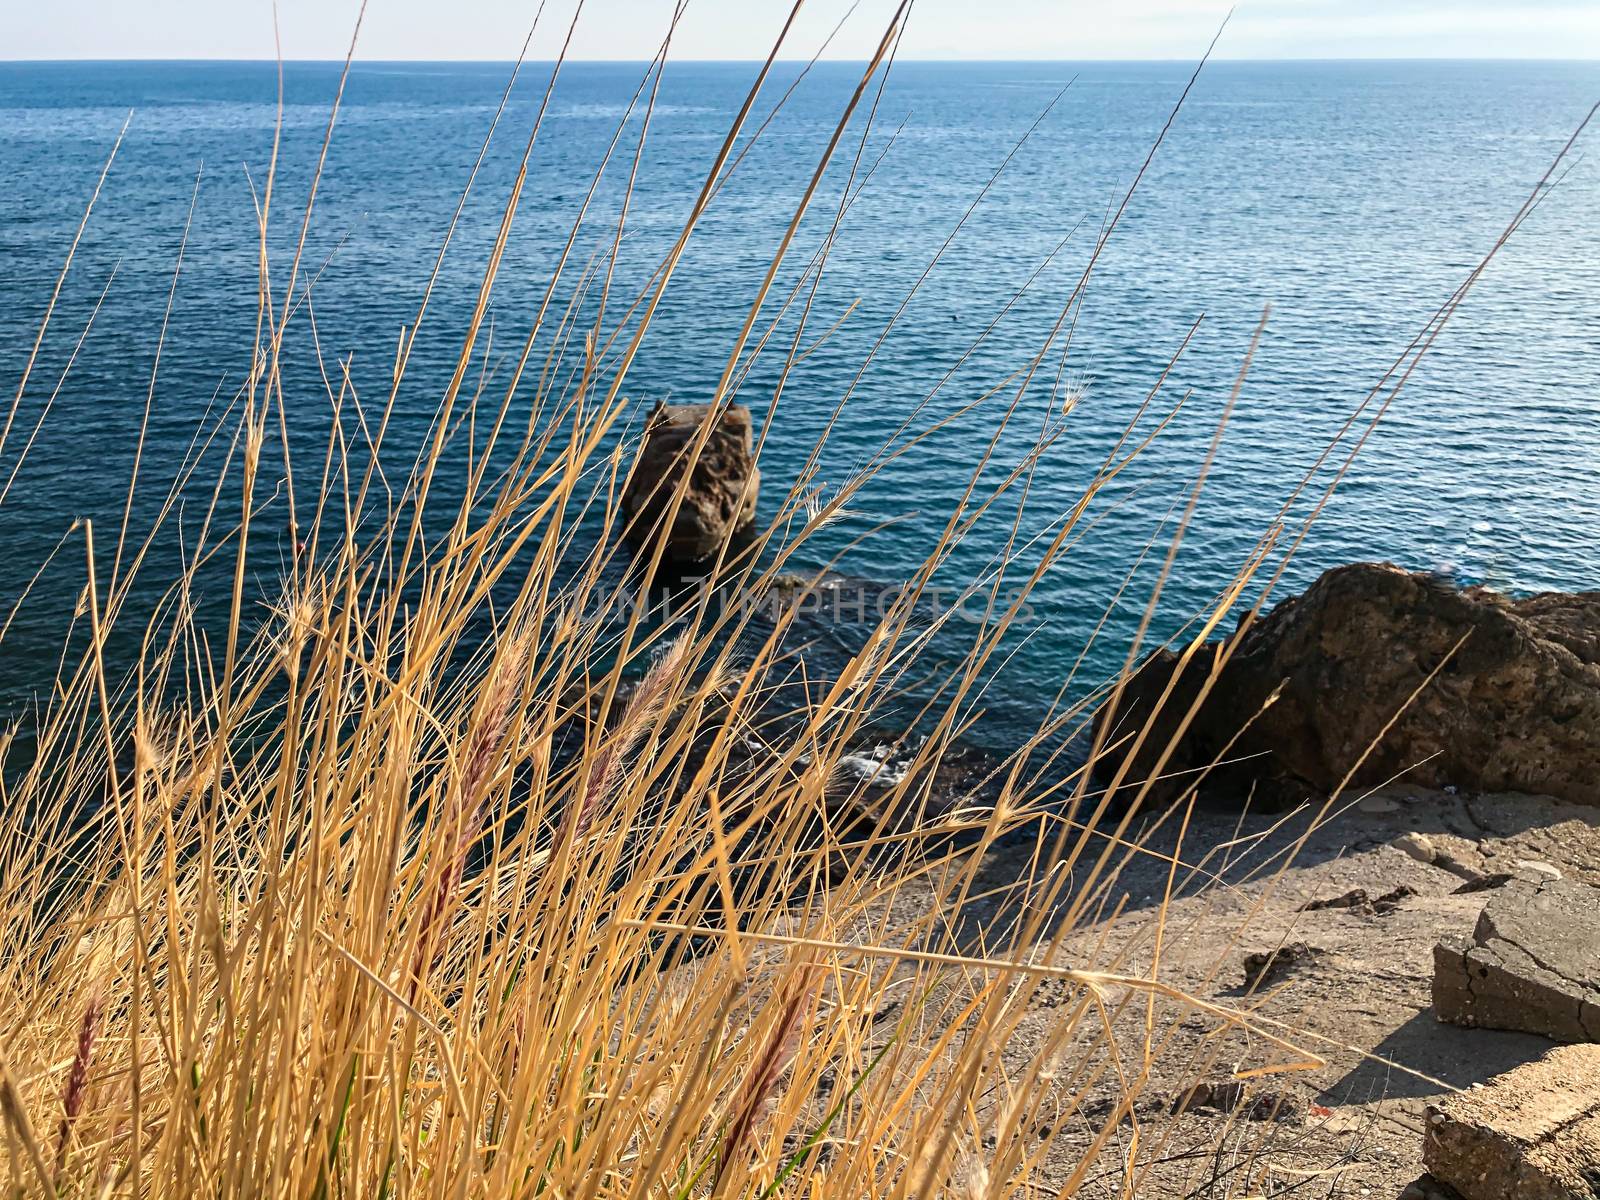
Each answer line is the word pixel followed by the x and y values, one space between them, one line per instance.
pixel 1513 702
pixel 719 499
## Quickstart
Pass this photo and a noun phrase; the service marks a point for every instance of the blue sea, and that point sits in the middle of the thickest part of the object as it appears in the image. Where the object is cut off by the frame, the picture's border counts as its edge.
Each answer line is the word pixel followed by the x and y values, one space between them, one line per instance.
pixel 1350 198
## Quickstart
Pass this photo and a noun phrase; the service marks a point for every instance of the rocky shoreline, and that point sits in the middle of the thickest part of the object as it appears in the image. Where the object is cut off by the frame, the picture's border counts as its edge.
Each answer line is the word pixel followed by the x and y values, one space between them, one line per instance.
pixel 1376 673
pixel 1428 918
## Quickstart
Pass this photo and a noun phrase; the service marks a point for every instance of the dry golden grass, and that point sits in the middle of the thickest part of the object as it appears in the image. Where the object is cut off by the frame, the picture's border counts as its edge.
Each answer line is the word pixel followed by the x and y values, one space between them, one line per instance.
pixel 387 896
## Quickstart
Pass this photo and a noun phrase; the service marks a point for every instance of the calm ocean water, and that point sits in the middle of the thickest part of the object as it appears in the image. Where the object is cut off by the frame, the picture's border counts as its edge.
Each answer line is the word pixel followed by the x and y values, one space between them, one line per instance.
pixel 1351 197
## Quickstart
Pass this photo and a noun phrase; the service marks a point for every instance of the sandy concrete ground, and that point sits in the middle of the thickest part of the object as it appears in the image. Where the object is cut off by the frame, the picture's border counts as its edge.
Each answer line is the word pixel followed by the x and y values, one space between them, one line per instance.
pixel 1359 998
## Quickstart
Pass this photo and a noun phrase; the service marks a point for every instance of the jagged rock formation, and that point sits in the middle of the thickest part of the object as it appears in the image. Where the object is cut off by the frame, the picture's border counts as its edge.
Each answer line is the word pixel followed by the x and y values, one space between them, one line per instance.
pixel 1513 703
pixel 719 500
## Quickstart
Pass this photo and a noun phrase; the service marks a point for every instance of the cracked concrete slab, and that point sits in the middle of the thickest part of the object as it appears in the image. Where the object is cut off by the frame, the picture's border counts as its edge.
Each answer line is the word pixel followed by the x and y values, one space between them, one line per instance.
pixel 1531 1134
pixel 1532 964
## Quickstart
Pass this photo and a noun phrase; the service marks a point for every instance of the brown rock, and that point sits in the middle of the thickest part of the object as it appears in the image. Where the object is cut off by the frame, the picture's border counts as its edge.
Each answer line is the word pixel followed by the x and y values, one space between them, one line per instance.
pixel 720 499
pixel 1361 901
pixel 1532 963
pixel 1531 1134
pixel 1484 883
pixel 1514 706
pixel 1265 968
pixel 1230 1095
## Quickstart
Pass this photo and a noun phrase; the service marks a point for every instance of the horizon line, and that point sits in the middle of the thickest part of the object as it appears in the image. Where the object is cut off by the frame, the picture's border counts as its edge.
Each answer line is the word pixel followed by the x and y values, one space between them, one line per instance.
pixel 997 61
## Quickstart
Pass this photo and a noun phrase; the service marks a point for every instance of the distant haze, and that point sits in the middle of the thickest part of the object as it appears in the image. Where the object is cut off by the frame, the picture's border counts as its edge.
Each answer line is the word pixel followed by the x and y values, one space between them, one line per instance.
pixel 742 29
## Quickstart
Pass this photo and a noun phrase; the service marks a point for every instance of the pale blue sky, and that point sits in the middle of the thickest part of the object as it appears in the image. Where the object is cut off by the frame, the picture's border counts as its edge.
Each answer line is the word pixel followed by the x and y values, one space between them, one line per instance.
pixel 630 29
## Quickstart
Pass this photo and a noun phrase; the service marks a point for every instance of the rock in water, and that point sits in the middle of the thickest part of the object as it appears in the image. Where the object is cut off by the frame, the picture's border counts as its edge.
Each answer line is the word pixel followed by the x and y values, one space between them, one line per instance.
pixel 1515 705
pixel 1531 1134
pixel 720 499
pixel 1532 964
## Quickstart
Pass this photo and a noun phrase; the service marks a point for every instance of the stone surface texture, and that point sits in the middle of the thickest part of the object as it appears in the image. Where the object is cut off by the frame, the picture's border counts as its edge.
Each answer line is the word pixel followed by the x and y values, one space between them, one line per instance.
pixel 1530 1134
pixel 1384 673
pixel 1532 964
pixel 720 498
